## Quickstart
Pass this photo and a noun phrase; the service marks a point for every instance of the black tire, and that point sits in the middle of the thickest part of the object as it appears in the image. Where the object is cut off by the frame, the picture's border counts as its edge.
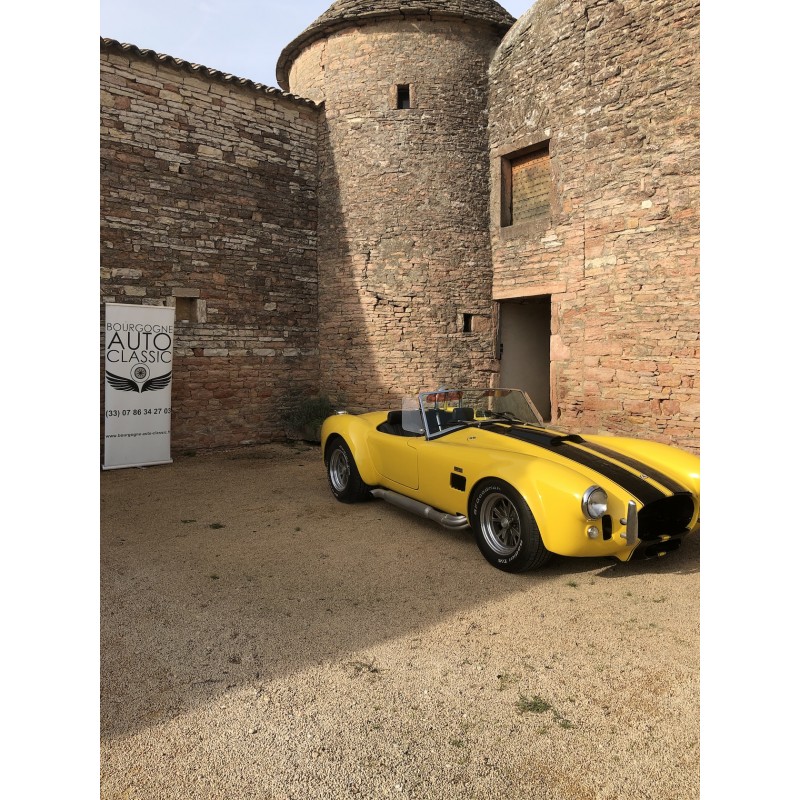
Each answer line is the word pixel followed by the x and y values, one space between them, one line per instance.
pixel 504 528
pixel 343 476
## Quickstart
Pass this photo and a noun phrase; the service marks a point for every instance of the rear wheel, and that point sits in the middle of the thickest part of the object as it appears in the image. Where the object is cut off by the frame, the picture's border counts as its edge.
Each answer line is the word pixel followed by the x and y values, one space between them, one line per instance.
pixel 343 476
pixel 504 527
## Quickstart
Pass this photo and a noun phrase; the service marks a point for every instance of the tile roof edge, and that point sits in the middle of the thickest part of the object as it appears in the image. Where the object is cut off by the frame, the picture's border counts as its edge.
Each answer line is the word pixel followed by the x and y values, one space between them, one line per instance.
pixel 107 43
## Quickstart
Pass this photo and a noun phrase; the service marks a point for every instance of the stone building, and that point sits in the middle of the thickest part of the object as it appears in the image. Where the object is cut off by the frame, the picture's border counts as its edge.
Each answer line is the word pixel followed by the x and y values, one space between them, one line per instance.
pixel 437 195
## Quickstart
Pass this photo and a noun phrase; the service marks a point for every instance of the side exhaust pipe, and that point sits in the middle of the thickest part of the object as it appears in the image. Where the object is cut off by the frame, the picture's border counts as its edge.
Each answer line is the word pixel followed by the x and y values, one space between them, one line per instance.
pixel 455 522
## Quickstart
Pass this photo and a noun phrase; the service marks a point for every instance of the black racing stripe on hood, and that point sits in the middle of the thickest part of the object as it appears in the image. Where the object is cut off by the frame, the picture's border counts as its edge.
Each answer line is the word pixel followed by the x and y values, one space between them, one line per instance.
pixel 652 472
pixel 560 445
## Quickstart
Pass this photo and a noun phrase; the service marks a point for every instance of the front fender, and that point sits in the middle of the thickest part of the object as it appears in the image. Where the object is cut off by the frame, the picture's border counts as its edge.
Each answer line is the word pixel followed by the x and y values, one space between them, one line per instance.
pixel 553 493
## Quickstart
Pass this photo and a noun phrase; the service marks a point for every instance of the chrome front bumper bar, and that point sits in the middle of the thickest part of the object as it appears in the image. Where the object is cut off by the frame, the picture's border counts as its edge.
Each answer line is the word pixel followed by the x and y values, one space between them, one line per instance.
pixel 631 523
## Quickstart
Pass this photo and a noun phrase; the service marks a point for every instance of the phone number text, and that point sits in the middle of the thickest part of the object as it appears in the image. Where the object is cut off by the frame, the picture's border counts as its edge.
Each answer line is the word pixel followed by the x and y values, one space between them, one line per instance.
pixel 137 412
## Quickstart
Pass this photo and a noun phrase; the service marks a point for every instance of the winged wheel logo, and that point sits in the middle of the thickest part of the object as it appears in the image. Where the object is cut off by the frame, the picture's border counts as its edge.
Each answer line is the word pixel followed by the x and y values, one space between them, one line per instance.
pixel 130 385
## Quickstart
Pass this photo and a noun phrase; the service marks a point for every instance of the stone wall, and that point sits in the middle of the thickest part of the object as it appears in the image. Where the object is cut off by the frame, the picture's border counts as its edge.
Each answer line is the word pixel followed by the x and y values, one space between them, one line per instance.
pixel 212 186
pixel 208 198
pixel 404 250
pixel 614 88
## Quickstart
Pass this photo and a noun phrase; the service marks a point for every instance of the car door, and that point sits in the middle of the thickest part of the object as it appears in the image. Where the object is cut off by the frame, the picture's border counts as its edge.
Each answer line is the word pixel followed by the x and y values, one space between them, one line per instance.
pixel 443 472
pixel 395 458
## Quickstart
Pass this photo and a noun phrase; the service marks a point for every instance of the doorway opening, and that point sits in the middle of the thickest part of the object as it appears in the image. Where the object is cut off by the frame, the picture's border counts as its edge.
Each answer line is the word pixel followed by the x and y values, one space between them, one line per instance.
pixel 524 348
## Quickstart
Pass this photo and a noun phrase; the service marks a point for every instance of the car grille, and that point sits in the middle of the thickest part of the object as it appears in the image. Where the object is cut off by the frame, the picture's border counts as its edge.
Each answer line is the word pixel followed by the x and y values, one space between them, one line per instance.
pixel 666 517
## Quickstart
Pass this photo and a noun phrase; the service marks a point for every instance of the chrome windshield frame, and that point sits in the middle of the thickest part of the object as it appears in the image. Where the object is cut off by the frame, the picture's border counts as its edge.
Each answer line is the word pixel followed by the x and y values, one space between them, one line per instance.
pixel 445 401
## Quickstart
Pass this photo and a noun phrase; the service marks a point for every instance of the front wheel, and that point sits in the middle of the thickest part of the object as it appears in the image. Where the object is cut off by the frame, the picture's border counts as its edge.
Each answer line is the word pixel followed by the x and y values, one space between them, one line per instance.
pixel 343 476
pixel 504 527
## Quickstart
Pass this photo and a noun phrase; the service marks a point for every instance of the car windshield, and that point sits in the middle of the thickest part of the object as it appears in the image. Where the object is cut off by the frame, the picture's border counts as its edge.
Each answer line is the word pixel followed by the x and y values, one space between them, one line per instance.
pixel 446 410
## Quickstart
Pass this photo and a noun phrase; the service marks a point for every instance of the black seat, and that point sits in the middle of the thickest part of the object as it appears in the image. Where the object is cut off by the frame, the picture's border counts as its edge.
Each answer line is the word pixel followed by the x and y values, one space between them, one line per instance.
pixel 394 425
pixel 434 420
pixel 462 415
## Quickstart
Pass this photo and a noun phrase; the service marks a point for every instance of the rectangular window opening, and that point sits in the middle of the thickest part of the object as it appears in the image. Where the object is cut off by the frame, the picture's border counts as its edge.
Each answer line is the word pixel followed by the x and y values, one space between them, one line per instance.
pixel 467 324
pixel 186 309
pixel 403 95
pixel 527 186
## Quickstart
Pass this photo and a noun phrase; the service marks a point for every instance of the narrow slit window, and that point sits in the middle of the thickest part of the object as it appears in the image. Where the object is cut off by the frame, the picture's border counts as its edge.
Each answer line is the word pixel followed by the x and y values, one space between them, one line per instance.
pixel 467 325
pixel 403 95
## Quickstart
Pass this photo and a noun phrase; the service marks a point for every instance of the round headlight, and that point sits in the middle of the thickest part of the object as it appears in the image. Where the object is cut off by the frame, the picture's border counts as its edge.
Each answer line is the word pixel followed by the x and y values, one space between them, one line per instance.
pixel 594 502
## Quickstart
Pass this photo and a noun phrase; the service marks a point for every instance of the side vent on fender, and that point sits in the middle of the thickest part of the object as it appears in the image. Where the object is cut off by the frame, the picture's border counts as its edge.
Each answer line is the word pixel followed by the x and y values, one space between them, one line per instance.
pixel 458 482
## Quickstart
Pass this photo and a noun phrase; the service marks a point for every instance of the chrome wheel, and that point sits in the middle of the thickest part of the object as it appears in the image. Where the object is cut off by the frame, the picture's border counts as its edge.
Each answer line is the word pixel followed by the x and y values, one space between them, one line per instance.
pixel 500 524
pixel 505 530
pixel 339 469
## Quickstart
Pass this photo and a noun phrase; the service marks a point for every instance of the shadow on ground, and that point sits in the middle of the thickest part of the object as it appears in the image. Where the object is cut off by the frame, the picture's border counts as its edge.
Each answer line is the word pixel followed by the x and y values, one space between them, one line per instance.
pixel 234 569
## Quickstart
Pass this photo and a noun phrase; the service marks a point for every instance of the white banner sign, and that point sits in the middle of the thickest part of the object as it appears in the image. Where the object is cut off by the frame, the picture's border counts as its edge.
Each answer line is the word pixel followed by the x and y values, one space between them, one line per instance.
pixel 138 412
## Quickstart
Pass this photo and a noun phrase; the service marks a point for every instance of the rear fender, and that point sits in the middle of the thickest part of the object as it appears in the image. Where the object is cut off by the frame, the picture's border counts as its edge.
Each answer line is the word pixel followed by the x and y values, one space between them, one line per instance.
pixel 354 429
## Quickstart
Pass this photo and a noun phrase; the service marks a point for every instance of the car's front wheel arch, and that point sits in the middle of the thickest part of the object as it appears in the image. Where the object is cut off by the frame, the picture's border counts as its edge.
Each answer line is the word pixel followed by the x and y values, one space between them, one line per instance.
pixel 504 526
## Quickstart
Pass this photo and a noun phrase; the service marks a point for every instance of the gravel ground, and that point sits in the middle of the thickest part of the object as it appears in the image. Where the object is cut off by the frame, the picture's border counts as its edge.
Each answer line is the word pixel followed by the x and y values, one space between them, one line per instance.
pixel 261 640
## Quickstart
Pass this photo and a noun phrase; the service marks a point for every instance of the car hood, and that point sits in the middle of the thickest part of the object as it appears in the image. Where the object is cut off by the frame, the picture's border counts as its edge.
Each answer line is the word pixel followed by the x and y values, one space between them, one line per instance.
pixel 644 481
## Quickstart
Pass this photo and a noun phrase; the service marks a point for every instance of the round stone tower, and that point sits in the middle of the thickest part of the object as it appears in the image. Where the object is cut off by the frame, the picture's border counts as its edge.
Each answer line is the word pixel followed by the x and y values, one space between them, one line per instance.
pixel 405 271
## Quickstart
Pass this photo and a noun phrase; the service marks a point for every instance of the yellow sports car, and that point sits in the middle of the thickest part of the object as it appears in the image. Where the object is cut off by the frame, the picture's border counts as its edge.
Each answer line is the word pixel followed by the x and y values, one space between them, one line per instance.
pixel 484 458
